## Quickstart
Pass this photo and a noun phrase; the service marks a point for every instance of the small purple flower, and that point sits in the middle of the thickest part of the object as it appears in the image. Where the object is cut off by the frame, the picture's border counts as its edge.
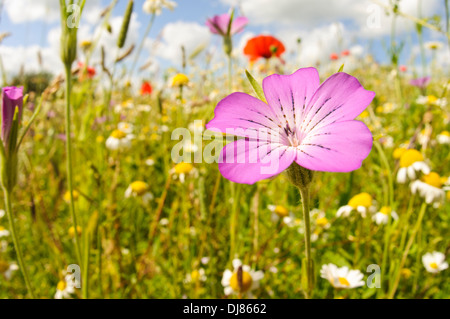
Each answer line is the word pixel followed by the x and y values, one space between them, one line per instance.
pixel 421 83
pixel 12 97
pixel 219 24
pixel 303 121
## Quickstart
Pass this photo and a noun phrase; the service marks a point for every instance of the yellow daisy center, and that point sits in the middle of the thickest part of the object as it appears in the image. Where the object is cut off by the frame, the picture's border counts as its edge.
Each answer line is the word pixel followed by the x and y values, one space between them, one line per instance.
pixel 445 133
pixel 343 281
pixel 183 168
pixel 75 194
pixel 180 79
pixel 409 157
pixel 195 275
pixel 386 210
pixel 118 134
pixel 281 211
pixel 139 187
pixel 398 152
pixel 432 179
pixel 432 99
pixel 363 199
pixel 2 228
pixel 246 282
pixel 434 265
pixel 61 285
pixel 323 221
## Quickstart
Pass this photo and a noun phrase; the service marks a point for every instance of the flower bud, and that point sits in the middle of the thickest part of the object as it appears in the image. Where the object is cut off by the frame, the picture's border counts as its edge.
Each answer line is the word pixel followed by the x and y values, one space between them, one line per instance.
pixel 299 176
pixel 125 25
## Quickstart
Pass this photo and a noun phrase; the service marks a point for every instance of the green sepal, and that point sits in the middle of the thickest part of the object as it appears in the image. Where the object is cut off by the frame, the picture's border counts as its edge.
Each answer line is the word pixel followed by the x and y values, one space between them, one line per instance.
pixel 258 89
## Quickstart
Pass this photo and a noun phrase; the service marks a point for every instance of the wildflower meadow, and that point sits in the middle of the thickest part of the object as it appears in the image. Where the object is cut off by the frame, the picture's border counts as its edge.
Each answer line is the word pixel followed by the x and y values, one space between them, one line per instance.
pixel 192 149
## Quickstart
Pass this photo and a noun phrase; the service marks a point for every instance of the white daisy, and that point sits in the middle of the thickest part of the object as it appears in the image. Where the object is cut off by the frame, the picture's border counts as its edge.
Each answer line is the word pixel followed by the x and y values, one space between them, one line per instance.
pixel 362 203
pixel 2 213
pixel 181 170
pixel 241 280
pixel 342 278
pixel 430 188
pixel 382 216
pixel 127 128
pixel 195 276
pixel 411 162
pixel 119 140
pixel 3 232
pixel 281 212
pixel 149 161
pixel 443 137
pixel 156 6
pixel 65 288
pixel 7 269
pixel 434 262
pixel 139 189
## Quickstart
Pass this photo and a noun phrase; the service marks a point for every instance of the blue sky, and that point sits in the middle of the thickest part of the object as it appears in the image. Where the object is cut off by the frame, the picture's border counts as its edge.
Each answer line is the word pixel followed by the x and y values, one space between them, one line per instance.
pixel 320 23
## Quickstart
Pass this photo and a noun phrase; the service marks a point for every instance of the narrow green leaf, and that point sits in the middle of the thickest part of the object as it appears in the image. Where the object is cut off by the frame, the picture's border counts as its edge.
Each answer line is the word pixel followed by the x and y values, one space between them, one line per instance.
pixel 341 68
pixel 258 89
pixel 35 114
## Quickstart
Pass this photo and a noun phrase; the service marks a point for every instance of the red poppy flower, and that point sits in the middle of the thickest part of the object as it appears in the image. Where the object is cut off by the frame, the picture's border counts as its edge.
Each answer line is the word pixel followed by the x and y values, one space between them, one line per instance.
pixel 90 71
pixel 345 53
pixel 402 68
pixel 263 46
pixel 146 88
pixel 334 56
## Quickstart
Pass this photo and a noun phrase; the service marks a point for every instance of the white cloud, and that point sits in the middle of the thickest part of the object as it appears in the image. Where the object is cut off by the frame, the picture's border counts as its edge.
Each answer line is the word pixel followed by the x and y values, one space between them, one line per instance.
pixel 191 35
pixel 20 11
pixel 361 15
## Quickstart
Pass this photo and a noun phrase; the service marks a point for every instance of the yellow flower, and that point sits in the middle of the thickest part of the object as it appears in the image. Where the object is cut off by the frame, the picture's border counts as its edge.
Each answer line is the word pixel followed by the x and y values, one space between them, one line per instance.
pixel 322 221
pixel 281 211
pixel 409 157
pixel 75 194
pixel 100 139
pixel 72 231
pixel 362 199
pixel 180 80
pixel 364 114
pixel 406 273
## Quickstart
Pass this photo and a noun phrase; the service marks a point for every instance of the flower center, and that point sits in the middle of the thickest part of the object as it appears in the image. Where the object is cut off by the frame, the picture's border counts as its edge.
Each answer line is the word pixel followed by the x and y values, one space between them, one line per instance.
pixel 322 221
pixel 385 210
pixel 281 211
pixel 2 228
pixel 246 281
pixel 433 179
pixel 445 133
pixel 432 99
pixel 195 275
pixel 363 199
pixel 139 188
pixel 183 168
pixel 118 134
pixel 409 157
pixel 434 265
pixel 61 285
pixel 343 281
pixel 398 152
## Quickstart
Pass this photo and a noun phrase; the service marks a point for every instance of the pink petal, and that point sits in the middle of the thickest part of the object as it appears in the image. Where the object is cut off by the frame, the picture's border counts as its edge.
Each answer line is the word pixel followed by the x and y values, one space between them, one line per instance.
pixel 238 112
pixel 288 95
pixel 338 147
pixel 340 98
pixel 219 24
pixel 248 161
pixel 238 25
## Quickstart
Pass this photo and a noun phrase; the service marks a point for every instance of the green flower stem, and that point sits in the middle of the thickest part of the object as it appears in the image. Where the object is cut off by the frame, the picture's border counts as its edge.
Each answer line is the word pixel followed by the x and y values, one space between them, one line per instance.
pixel 235 190
pixel 69 162
pixel 12 227
pixel 304 193
pixel 423 209
pixel 230 73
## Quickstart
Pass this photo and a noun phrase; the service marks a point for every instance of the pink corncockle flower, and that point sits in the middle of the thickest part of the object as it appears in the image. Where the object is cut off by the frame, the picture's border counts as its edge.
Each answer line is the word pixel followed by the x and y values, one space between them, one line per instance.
pixel 303 121
pixel 420 82
pixel 12 97
pixel 219 24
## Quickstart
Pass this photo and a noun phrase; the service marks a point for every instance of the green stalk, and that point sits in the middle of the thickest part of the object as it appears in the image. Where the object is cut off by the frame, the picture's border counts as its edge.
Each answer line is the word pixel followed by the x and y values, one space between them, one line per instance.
pixel 235 190
pixel 69 162
pixel 408 247
pixel 230 73
pixel 16 241
pixel 304 193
